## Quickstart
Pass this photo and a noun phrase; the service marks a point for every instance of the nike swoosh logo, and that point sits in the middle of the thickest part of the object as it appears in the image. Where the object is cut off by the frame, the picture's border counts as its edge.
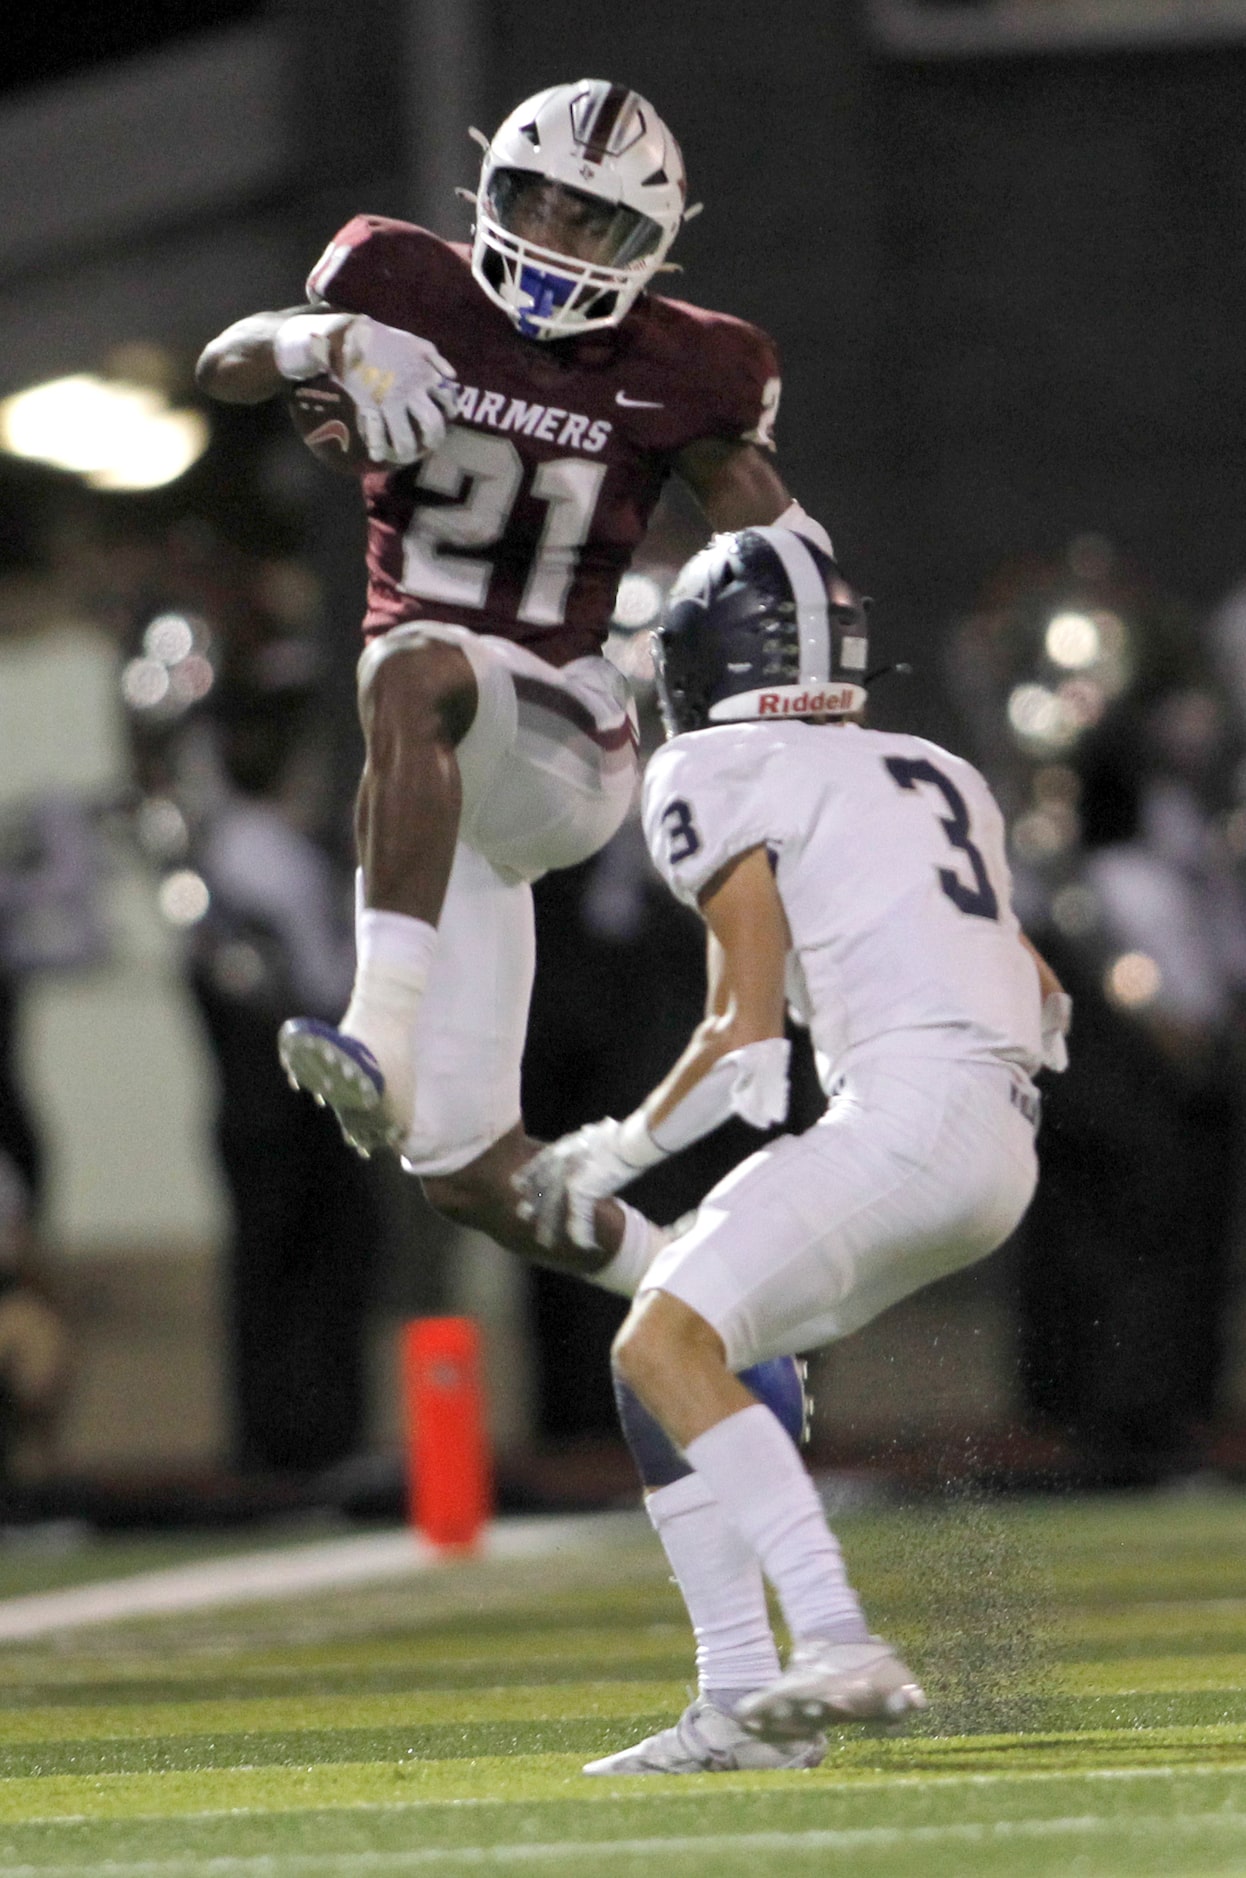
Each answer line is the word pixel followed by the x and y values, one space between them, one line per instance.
pixel 637 404
pixel 334 431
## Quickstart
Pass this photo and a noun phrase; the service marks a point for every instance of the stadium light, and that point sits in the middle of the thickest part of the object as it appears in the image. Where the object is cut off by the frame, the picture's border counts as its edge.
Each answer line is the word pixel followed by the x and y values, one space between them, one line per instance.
pixel 183 897
pixel 113 433
pixel 1073 640
pixel 1132 980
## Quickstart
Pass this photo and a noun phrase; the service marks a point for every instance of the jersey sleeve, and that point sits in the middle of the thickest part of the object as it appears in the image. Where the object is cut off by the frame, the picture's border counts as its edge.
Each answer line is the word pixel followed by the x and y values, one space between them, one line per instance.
pixel 382 268
pixel 747 384
pixel 705 803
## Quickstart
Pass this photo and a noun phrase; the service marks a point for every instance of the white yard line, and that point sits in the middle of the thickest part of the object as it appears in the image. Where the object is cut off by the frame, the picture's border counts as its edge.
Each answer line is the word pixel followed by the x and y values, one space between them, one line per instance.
pixel 590 1851
pixel 655 1793
pixel 293 1571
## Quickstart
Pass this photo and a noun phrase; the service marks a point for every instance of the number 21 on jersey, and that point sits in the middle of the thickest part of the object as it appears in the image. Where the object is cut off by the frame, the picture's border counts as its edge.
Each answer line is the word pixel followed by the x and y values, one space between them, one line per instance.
pixel 491 470
pixel 980 899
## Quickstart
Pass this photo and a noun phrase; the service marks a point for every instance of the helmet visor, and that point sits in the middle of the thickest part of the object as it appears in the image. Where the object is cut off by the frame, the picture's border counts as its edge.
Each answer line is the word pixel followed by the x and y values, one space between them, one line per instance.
pixel 568 222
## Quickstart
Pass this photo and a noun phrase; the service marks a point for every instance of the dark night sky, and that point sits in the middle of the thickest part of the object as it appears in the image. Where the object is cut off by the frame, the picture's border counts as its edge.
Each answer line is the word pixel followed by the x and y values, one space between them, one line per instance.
pixel 48 42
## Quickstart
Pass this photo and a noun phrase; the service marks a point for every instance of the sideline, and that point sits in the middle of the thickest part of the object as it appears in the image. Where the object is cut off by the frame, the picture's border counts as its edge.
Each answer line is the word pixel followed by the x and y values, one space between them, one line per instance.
pixel 292 1571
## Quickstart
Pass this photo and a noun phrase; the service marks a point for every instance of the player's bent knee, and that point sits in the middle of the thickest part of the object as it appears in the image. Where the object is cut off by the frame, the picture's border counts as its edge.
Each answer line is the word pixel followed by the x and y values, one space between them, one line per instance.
pixel 661 1333
pixel 418 679
pixel 643 1359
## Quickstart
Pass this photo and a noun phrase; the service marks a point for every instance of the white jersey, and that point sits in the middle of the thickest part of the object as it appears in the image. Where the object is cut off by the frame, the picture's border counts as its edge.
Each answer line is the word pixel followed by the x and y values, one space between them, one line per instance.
pixel 890 862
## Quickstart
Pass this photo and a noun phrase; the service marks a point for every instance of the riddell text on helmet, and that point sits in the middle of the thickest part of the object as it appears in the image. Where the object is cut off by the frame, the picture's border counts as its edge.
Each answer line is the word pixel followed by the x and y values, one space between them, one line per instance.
pixel 774 704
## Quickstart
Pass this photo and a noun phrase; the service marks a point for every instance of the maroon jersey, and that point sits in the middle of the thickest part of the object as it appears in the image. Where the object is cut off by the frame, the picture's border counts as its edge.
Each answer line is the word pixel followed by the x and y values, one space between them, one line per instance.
pixel 523 521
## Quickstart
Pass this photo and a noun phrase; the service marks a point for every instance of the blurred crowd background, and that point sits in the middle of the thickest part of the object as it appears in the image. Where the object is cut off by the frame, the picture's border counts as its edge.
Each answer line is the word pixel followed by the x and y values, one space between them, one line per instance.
pixel 1002 247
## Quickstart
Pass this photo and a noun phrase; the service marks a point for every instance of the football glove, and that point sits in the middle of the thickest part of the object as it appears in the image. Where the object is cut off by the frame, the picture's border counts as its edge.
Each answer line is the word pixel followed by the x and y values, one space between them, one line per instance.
pixel 559 1188
pixel 402 388
pixel 561 1185
pixel 1057 1021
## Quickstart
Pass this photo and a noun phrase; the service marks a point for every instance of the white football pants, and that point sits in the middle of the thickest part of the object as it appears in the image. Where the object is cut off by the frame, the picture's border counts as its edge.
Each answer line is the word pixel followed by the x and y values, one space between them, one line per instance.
pixel 549 770
pixel 921 1165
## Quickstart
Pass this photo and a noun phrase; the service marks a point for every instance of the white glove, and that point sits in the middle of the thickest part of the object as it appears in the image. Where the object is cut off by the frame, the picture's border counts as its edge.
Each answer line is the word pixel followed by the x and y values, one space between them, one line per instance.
pixel 1057 1021
pixel 566 1179
pixel 402 388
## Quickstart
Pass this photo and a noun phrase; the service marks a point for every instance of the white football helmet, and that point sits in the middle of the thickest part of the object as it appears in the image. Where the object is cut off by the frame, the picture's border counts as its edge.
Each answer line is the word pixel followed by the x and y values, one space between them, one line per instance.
pixel 581 194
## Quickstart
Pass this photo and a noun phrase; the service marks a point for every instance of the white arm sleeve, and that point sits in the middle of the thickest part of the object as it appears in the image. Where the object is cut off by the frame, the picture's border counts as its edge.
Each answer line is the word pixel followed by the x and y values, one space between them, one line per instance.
pixel 750 1082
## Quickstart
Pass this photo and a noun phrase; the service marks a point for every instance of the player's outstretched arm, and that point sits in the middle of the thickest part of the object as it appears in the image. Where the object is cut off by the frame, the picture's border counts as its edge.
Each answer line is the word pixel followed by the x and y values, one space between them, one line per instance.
pixel 238 366
pixel 747 946
pixel 736 484
pixel 402 389
pixel 734 1064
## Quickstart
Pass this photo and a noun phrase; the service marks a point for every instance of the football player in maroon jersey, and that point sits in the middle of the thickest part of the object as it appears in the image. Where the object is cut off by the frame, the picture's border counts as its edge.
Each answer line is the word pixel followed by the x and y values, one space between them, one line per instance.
pixel 521 402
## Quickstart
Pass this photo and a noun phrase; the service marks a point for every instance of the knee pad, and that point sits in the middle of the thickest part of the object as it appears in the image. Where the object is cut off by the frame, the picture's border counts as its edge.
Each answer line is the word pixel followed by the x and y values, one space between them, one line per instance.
pixel 658 1460
pixel 779 1384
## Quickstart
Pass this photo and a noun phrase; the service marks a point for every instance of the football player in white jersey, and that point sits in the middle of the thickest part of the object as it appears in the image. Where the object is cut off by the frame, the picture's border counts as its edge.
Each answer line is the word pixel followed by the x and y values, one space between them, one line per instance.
pixel 859 877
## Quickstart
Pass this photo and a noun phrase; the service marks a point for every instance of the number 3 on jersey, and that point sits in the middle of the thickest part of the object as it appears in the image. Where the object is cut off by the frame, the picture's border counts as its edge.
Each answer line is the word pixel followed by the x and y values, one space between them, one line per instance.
pixel 682 839
pixel 435 565
pixel 980 899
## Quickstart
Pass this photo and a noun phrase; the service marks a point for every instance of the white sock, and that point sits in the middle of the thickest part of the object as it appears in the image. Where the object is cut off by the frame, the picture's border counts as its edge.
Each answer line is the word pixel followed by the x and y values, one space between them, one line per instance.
pixel 393 954
pixel 753 1469
pixel 639 1246
pixel 722 1587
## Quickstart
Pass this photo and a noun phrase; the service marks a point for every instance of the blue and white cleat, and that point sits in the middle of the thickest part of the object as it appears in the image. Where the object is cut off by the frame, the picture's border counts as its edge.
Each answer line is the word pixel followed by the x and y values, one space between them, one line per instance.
pixel 707 1740
pixel 341 1073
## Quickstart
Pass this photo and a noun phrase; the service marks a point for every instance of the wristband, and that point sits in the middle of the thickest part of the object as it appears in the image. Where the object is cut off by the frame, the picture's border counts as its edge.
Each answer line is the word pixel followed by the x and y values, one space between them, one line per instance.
pixel 639 1246
pixel 301 344
pixel 635 1145
pixel 750 1082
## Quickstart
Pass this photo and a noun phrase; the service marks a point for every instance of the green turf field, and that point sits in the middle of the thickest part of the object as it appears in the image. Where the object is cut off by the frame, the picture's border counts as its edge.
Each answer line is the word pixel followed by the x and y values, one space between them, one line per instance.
pixel 1086 1660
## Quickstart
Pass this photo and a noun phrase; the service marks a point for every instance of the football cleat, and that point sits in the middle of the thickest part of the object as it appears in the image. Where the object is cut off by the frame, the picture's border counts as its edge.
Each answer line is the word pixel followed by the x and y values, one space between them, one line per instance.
pixel 828 1684
pixel 707 1740
pixel 340 1073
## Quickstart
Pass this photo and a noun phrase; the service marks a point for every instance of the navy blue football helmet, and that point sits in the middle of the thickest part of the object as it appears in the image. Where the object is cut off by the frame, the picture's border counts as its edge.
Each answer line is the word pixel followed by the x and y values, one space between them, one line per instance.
pixel 760 624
